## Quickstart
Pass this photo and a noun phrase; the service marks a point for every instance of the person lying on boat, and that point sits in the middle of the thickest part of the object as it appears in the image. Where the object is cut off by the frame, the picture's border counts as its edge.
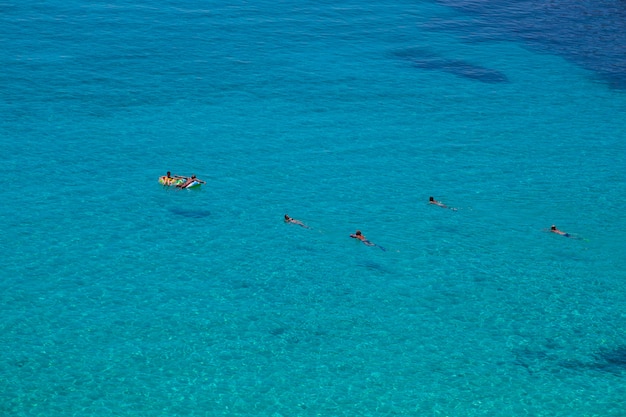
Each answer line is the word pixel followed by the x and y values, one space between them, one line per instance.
pixel 190 181
pixel 294 221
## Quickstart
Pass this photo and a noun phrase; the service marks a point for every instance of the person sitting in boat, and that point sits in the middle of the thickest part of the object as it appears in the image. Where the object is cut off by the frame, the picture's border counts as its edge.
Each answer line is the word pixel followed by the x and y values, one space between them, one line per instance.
pixel 294 221
pixel 189 181
pixel 177 177
pixel 168 179
pixel 172 179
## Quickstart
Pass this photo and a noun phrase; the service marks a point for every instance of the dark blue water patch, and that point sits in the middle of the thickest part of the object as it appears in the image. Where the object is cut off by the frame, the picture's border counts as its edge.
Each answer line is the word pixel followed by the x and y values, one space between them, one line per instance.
pixel 545 359
pixel 589 33
pixel 278 331
pixel 284 334
pixel 611 360
pixel 425 59
pixel 599 364
pixel 533 360
pixel 374 267
pixel 189 213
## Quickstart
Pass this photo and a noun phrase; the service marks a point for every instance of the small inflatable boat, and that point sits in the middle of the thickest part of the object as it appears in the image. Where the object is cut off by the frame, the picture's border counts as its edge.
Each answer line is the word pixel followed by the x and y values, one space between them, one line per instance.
pixel 175 182
pixel 170 181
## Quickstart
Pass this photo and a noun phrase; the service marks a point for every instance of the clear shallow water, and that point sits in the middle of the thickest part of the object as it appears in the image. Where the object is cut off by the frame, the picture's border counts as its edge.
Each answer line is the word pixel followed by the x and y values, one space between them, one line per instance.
pixel 123 298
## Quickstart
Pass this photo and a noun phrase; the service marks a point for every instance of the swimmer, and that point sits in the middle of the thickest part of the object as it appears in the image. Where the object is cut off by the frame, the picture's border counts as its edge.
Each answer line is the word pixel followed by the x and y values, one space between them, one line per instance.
pixel 189 181
pixel 358 235
pixel 294 221
pixel 432 200
pixel 553 229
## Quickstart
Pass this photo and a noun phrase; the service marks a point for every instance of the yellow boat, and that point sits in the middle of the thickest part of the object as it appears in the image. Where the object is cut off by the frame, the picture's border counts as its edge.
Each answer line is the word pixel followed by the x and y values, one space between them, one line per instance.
pixel 170 181
pixel 175 181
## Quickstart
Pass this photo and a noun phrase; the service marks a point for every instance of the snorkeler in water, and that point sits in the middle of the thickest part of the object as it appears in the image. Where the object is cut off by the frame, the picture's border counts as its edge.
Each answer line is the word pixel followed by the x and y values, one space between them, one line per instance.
pixel 358 235
pixel 432 200
pixel 361 237
pixel 294 221
pixel 553 229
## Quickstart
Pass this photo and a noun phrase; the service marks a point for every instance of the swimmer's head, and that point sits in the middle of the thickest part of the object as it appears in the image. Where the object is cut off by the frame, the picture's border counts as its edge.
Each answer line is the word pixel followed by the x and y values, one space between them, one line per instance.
pixel 286 217
pixel 553 227
pixel 431 199
pixel 358 233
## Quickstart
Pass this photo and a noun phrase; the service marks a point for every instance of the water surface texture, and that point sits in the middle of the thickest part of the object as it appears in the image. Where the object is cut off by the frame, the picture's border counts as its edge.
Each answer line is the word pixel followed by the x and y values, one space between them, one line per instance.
pixel 121 297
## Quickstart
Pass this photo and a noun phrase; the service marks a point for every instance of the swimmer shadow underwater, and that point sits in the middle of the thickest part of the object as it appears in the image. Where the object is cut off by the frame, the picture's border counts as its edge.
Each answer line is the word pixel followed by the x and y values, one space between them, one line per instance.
pixel 189 213
pixel 549 359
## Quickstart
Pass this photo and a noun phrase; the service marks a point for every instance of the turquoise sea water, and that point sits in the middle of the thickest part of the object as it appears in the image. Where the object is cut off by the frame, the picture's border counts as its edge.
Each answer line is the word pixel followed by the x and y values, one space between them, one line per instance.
pixel 123 298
